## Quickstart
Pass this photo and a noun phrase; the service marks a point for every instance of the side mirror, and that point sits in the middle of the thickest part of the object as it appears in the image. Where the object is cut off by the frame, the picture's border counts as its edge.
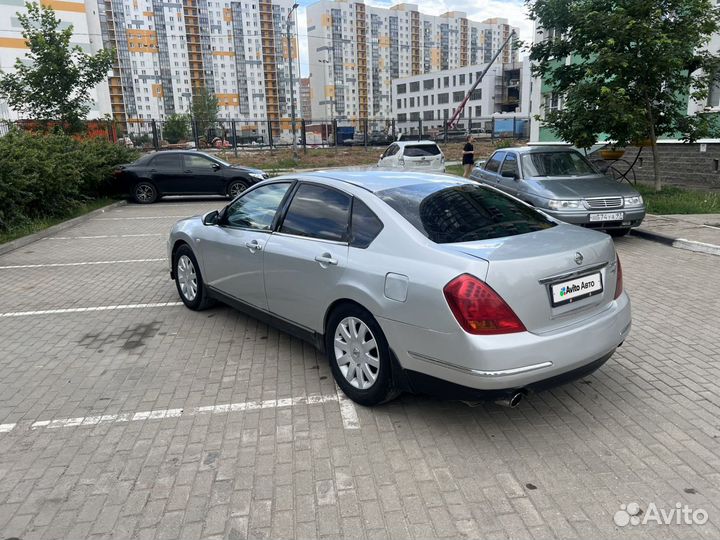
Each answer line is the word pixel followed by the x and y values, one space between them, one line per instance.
pixel 211 218
pixel 216 166
pixel 480 163
pixel 509 174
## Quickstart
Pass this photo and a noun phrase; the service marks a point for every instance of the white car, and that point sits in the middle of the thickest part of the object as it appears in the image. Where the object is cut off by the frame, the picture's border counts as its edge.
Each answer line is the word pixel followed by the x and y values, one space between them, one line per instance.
pixel 413 155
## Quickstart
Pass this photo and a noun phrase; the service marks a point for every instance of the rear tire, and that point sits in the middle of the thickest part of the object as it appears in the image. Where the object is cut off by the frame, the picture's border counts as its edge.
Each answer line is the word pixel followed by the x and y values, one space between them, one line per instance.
pixel 188 280
pixel 145 193
pixel 617 233
pixel 235 188
pixel 359 355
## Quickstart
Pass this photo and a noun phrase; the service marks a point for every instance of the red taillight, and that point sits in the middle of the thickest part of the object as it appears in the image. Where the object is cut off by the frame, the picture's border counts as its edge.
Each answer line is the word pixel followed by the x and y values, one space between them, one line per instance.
pixel 619 282
pixel 479 309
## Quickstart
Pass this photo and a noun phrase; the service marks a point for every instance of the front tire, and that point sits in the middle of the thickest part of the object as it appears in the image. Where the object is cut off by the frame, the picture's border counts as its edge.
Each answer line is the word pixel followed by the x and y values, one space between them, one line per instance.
pixel 359 356
pixel 235 188
pixel 188 280
pixel 145 193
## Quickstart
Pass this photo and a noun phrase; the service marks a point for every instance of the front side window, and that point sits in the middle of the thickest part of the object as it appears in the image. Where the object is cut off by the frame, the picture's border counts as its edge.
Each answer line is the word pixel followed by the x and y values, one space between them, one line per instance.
pixel 451 212
pixel 198 163
pixel 318 212
pixel 494 164
pixel 256 209
pixel 556 164
pixel 510 166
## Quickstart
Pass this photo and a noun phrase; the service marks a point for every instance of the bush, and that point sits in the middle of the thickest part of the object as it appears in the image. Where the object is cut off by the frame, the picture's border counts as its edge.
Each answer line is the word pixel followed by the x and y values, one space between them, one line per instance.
pixel 49 175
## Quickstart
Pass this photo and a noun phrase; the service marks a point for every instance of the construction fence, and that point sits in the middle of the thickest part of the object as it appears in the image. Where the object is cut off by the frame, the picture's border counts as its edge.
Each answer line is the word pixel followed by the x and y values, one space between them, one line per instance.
pixel 305 133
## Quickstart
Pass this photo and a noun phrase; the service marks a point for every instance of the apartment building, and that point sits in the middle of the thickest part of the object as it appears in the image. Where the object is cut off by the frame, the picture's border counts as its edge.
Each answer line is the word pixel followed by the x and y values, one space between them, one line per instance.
pixel 356 51
pixel 86 33
pixel 168 52
pixel 504 92
pixel 305 93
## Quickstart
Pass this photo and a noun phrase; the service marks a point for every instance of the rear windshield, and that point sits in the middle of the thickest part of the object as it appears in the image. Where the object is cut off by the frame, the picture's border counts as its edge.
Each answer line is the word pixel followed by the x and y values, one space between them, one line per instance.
pixel 555 164
pixel 448 213
pixel 422 150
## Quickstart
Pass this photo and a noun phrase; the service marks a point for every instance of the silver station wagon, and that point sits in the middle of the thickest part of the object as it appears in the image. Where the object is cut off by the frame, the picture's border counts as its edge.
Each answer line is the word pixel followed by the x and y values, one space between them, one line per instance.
pixel 564 184
pixel 411 282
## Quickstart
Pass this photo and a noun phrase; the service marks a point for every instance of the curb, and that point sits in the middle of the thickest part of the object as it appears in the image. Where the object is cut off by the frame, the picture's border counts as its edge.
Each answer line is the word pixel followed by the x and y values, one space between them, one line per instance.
pixel 679 243
pixel 30 238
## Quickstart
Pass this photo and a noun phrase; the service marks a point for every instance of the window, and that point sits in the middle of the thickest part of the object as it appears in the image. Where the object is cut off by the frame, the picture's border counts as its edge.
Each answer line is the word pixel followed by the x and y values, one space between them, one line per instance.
pixel 422 150
pixel 318 212
pixel 462 78
pixel 414 116
pixel 256 209
pixel 494 164
pixel 415 86
pixel 198 163
pixel 446 81
pixel 401 88
pixel 458 96
pixel 365 225
pixel 391 150
pixel 510 166
pixel 166 162
pixel 476 94
pixel 402 117
pixel 428 115
pixel 429 84
pixel 556 164
pixel 443 98
pixel 447 212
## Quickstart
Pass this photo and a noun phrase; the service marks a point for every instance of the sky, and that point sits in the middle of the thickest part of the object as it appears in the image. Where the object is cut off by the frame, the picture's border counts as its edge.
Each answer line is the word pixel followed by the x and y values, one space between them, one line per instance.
pixel 513 10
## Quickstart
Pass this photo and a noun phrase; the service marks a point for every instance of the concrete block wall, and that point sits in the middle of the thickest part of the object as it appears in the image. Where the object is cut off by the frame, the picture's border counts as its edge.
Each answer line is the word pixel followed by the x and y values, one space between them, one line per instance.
pixel 693 165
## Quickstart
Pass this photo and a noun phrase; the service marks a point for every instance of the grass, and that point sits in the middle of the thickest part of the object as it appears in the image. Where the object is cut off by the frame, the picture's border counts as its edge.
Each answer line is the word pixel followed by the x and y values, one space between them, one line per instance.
pixel 674 200
pixel 37 225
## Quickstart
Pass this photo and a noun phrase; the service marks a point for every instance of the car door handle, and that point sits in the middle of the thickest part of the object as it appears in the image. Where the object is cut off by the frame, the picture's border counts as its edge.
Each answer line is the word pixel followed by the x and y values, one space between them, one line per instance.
pixel 188 170
pixel 253 246
pixel 326 258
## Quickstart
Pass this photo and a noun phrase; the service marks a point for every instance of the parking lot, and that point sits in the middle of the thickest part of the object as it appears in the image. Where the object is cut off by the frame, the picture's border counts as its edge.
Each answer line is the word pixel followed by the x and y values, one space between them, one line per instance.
pixel 124 414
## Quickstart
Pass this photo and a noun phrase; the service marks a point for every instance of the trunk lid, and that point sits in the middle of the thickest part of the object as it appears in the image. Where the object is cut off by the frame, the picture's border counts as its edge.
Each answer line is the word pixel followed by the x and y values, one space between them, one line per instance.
pixel 522 269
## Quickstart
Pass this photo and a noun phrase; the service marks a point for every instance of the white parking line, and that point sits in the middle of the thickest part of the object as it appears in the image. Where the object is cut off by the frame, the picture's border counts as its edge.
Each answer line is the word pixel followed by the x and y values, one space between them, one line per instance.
pixel 312 399
pixel 101 236
pixel 347 411
pixel 89 263
pixel 87 309
pixel 137 217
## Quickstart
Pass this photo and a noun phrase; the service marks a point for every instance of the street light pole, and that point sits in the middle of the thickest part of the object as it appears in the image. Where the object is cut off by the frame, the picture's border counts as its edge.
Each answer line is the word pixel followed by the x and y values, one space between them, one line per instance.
pixel 292 89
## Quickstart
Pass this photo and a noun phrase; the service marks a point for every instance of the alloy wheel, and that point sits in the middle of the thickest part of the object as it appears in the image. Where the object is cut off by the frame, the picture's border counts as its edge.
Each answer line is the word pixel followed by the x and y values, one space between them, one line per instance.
pixel 144 193
pixel 236 189
pixel 187 278
pixel 357 353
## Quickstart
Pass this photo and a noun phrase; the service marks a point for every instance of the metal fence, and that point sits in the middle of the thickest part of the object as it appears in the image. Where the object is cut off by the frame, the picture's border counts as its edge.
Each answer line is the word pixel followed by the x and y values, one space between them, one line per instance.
pixel 234 135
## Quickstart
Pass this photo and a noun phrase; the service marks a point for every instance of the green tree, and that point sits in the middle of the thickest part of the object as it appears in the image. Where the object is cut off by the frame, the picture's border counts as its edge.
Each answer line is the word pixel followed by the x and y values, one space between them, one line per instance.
pixel 54 80
pixel 175 128
pixel 205 111
pixel 635 64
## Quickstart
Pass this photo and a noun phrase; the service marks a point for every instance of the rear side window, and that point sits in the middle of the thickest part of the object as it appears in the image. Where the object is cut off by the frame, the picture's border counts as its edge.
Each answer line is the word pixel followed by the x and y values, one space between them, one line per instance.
pixel 391 151
pixel 364 225
pixel 422 150
pixel 494 164
pixel 167 161
pixel 448 213
pixel 318 212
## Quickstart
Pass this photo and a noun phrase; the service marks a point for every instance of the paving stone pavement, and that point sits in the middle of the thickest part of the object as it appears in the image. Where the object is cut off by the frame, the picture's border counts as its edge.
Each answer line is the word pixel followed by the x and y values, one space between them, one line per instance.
pixel 159 422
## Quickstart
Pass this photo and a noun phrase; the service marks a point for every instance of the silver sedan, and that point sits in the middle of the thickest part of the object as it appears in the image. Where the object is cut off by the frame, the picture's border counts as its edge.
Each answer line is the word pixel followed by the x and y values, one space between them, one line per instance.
pixel 411 282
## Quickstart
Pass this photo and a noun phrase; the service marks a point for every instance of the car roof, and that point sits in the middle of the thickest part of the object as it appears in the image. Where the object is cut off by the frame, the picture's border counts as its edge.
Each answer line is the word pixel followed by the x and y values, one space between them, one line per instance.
pixel 378 180
pixel 537 149
pixel 411 143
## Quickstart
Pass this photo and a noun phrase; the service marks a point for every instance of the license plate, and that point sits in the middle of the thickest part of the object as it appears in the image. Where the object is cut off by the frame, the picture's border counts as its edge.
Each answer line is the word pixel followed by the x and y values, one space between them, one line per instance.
pixel 575 289
pixel 611 216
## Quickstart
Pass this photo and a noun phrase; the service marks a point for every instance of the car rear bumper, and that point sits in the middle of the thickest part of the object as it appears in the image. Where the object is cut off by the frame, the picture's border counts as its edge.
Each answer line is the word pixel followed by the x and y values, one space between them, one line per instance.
pixel 507 362
pixel 632 217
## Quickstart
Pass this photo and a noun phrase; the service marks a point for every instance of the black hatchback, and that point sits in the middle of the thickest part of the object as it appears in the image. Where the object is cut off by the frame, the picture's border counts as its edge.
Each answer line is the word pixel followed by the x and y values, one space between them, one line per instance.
pixel 177 172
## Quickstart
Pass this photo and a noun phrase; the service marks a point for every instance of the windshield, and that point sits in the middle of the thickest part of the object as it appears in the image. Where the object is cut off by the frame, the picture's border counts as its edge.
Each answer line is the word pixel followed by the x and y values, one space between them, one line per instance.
pixel 448 213
pixel 556 164
pixel 221 161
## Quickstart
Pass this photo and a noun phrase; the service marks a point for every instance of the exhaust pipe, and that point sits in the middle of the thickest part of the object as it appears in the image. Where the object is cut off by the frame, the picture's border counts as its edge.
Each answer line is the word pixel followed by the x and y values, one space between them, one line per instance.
pixel 511 400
